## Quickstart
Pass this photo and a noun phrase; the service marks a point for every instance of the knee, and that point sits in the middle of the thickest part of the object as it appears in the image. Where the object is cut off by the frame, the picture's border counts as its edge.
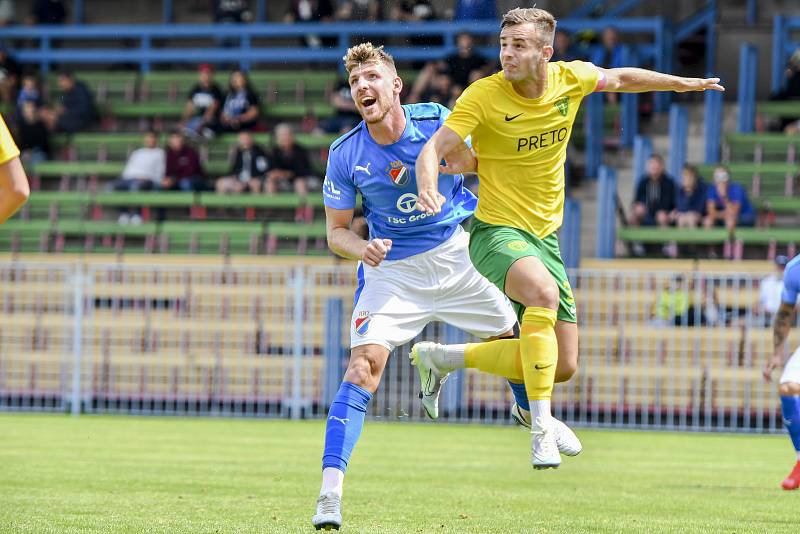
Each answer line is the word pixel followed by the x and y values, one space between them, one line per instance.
pixel 789 389
pixel 541 293
pixel 359 372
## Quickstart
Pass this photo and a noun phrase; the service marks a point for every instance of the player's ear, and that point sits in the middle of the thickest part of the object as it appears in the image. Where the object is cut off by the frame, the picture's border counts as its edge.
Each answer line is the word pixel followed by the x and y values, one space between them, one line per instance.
pixel 547 52
pixel 398 85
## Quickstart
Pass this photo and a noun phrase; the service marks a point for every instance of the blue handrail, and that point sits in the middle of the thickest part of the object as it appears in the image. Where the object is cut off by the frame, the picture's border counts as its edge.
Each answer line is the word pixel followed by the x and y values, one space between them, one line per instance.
pixel 713 125
pixel 748 72
pixel 678 133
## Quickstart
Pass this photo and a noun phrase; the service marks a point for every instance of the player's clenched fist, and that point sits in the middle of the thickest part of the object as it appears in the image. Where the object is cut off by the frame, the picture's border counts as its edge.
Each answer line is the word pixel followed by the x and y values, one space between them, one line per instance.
pixel 376 251
pixel 430 201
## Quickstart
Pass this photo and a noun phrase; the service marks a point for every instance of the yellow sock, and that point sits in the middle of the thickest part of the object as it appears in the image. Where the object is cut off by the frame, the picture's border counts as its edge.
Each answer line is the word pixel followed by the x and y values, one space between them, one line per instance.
pixel 538 351
pixel 499 357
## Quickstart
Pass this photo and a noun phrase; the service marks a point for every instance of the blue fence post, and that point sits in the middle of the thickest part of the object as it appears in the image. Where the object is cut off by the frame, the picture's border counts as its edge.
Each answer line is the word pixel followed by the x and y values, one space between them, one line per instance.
pixel 642 150
pixel 778 52
pixel 453 391
pixel 606 233
pixel 665 41
pixel 244 45
pixel 570 238
pixel 711 39
pixel 712 116
pixel 748 73
pixel 77 12
pixel 593 127
pixel 261 11
pixel 630 106
pixel 752 12
pixel 44 46
pixel 334 363
pixel 678 132
pixel 168 11
pixel 144 46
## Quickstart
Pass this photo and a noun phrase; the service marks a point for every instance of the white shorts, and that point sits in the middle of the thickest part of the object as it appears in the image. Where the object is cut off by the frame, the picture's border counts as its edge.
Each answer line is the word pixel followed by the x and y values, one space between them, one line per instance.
pixel 791 371
pixel 395 300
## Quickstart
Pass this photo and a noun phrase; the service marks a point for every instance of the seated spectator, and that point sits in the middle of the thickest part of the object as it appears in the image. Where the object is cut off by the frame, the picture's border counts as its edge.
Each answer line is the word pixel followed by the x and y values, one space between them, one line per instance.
pixel 416 11
pixel 48 12
pixel 250 164
pixel 144 171
pixel 562 47
pixel 727 203
pixel 183 171
pixel 33 138
pixel 10 72
pixel 231 11
pixel 312 11
pixel 356 10
pixel 201 114
pixel 242 107
pixel 690 202
pixel 609 55
pixel 475 10
pixel 460 69
pixel 74 110
pixel 790 91
pixel 467 64
pixel 290 163
pixel 346 113
pixel 655 196
pixel 29 92
pixel 769 292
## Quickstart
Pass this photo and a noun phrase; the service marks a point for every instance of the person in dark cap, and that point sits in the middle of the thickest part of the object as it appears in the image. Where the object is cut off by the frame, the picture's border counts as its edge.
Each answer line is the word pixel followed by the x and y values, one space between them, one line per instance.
pixel 201 114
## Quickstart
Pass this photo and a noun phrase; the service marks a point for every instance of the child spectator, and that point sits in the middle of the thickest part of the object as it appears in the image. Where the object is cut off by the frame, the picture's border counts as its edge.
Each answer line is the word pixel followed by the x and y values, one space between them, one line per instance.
pixel 33 138
pixel 29 92
pixel 690 202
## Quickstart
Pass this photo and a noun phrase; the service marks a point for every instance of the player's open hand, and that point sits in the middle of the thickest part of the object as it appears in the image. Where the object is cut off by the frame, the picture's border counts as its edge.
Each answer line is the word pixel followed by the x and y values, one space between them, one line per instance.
pixel 376 251
pixel 770 366
pixel 459 161
pixel 702 84
pixel 430 201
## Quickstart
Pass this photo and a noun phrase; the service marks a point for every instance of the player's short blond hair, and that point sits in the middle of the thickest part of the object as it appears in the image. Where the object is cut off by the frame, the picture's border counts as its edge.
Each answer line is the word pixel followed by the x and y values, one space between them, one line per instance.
pixel 367 53
pixel 544 22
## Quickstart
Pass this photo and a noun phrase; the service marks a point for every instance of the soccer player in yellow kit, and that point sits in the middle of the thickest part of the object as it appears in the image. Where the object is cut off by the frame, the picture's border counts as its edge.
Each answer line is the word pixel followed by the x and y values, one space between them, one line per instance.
pixel 14 189
pixel 520 120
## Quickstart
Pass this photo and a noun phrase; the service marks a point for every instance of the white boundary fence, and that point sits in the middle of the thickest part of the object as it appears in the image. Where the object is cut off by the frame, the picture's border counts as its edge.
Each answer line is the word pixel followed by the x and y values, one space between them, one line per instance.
pixel 271 342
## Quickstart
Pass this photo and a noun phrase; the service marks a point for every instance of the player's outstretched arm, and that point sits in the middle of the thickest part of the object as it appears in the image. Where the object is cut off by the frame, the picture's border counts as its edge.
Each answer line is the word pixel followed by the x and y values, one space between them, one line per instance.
pixel 635 80
pixel 443 142
pixel 346 243
pixel 14 189
pixel 780 331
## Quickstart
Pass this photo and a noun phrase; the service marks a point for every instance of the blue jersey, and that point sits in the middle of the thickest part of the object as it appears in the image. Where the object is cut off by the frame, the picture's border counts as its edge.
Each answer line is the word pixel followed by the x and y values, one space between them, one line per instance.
pixel 384 175
pixel 791 281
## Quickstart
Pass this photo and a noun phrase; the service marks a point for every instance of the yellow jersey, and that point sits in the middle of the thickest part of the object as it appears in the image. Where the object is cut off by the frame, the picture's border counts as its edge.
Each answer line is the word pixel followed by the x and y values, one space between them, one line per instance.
pixel 521 144
pixel 8 149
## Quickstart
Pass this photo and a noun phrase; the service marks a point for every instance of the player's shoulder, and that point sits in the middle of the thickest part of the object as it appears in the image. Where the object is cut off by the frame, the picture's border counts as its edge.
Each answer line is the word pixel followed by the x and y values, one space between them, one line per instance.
pixel 426 111
pixel 347 139
pixel 487 83
pixel 793 268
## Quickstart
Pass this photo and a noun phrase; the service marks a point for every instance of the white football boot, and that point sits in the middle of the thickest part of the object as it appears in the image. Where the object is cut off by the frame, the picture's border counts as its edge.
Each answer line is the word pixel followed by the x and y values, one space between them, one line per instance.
pixel 424 357
pixel 329 512
pixel 568 443
pixel 544 451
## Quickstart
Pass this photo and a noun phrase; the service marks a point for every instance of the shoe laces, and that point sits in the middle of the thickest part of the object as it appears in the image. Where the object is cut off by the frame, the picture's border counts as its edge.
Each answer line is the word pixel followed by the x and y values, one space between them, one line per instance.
pixel 328 504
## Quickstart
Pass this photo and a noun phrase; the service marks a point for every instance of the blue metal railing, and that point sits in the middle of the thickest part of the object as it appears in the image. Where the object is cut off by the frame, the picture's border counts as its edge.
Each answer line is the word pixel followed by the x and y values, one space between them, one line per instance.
pixel 705 18
pixel 678 133
pixel 570 234
pixel 619 10
pixel 606 231
pixel 748 72
pixel 782 47
pixel 712 118
pixel 593 126
pixel 246 54
pixel 642 150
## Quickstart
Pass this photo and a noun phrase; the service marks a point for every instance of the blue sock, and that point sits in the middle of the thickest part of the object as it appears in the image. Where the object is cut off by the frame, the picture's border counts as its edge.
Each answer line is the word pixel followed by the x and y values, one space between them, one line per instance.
pixel 790 407
pixel 345 419
pixel 520 395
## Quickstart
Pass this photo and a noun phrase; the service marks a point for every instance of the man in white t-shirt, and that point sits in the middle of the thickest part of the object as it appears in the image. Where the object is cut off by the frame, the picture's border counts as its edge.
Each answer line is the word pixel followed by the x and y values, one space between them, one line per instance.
pixel 769 292
pixel 144 171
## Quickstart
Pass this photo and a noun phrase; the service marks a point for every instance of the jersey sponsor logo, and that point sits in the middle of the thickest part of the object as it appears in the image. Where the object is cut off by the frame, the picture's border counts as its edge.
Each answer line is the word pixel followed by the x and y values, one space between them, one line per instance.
pixel 562 105
pixel 542 140
pixel 329 189
pixel 407 202
pixel 361 324
pixel 518 246
pixel 398 173
pixel 363 168
pixel 509 119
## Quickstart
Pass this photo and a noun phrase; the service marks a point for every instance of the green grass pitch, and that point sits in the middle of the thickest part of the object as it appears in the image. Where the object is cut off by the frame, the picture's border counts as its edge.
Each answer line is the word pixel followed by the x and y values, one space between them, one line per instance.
pixel 172 475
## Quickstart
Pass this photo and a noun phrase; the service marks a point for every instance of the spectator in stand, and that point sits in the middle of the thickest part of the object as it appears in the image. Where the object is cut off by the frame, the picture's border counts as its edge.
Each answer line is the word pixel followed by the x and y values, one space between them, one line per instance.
pixel 29 92
pixel 727 203
pixel 183 171
pixel 769 292
pixel 7 13
pixel 74 110
pixel 242 107
pixel 144 171
pixel 231 11
pixel 690 201
pixel 290 163
pixel 791 91
pixel 346 114
pixel 461 69
pixel 10 72
pixel 609 55
pixel 33 138
pixel 312 11
pixel 562 47
pixel 48 12
pixel 416 11
pixel 249 168
pixel 359 10
pixel 674 306
pixel 475 10
pixel 466 65
pixel 655 196
pixel 201 114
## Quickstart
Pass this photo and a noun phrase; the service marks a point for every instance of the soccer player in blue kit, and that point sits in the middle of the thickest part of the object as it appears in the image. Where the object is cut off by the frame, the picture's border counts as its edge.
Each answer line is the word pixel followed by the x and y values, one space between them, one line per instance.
pixel 790 379
pixel 415 267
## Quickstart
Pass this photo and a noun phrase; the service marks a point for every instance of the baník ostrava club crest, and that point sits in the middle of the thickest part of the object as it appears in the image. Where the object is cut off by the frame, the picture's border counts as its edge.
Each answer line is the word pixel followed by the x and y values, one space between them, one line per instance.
pixel 398 173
